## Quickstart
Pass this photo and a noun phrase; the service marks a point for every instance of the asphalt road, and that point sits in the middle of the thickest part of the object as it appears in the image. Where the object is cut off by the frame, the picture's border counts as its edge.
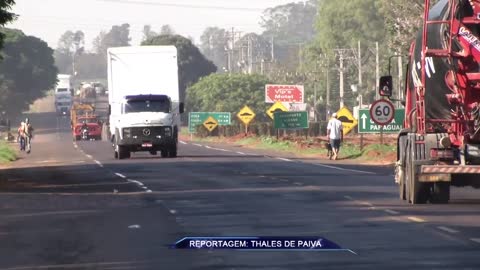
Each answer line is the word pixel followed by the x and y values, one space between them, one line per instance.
pixel 72 206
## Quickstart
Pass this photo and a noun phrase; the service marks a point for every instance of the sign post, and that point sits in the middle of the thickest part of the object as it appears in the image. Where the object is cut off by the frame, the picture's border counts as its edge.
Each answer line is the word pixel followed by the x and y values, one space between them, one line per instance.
pixel 284 93
pixel 382 112
pixel 276 107
pixel 367 125
pixel 347 119
pixel 246 115
pixel 290 120
pixel 198 118
pixel 210 124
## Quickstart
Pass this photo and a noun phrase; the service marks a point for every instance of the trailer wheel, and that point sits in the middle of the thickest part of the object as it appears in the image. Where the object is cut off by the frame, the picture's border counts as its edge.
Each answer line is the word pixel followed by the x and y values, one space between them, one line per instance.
pixel 440 192
pixel 417 192
pixel 164 153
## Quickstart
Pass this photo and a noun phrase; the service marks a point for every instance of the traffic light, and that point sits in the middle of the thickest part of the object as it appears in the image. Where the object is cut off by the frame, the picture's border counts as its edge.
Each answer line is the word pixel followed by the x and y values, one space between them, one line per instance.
pixel 386 86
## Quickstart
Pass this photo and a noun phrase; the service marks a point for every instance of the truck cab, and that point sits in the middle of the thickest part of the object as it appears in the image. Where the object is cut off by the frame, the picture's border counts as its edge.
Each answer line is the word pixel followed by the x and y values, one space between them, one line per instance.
pixel 145 123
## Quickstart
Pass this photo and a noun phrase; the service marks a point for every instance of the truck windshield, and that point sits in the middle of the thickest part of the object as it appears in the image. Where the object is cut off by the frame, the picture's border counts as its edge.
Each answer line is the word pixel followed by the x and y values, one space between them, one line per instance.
pixel 62 90
pixel 134 106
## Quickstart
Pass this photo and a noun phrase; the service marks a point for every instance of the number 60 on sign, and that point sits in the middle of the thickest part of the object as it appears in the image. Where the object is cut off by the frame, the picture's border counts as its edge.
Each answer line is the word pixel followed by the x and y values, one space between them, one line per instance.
pixel 382 112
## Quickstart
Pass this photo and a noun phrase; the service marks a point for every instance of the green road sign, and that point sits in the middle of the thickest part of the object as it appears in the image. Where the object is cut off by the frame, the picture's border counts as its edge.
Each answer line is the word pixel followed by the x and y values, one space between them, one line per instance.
pixel 290 120
pixel 198 118
pixel 366 124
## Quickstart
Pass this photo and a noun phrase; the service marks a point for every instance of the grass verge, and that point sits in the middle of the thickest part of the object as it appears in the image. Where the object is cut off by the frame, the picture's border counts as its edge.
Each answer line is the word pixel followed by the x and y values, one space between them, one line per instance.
pixel 373 153
pixel 7 153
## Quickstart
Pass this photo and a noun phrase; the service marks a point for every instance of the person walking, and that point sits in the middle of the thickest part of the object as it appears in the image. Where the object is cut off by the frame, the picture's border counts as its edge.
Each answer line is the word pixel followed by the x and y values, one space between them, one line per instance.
pixel 335 134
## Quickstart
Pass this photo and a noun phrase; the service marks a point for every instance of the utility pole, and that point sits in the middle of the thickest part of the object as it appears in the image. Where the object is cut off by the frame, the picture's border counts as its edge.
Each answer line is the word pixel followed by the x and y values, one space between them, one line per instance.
pixel 400 80
pixel 342 54
pixel 328 89
pixel 377 71
pixel 359 51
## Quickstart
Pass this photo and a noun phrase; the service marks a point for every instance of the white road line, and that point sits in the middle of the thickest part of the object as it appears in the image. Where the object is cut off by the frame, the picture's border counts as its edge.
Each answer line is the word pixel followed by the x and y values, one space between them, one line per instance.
pixel 182 142
pixel 75 145
pixel 449 230
pixel 298 184
pixel 148 191
pixel 416 219
pixel 284 159
pixel 196 144
pixel 173 211
pixel 135 182
pixel 367 204
pixel 343 169
pixel 348 197
pixel 392 212
pixel 98 162
pixel 241 153
pixel 89 156
pixel 208 147
pixel 144 187
pixel 476 240
pixel 224 150
pixel 120 175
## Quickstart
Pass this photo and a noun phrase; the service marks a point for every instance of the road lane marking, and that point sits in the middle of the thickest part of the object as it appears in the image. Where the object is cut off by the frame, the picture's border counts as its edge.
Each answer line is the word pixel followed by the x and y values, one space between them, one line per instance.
pixel 182 142
pixel 120 175
pixel 173 211
pixel 89 156
pixel 348 197
pixel 343 169
pixel 298 184
pixel 208 147
pixel 446 229
pixel 284 159
pixel 199 145
pixel 241 153
pixel 476 240
pixel 392 212
pixel 148 191
pixel 98 163
pixel 416 219
pixel 136 182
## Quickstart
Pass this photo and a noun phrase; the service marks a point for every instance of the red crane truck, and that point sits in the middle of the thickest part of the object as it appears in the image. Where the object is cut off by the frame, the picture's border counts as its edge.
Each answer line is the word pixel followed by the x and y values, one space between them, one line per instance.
pixel 439 146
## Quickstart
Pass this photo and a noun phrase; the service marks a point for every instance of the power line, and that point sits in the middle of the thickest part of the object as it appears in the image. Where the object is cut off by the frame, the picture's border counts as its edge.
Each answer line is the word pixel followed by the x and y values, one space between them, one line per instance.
pixel 146 3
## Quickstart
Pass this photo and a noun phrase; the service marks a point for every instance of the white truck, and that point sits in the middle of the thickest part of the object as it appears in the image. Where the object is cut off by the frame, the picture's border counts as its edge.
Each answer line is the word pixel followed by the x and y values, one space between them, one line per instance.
pixel 144 100
pixel 63 95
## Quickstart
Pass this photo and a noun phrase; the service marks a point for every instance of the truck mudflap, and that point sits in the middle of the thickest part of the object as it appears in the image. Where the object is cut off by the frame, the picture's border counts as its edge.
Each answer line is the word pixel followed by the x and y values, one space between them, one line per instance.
pixel 436 173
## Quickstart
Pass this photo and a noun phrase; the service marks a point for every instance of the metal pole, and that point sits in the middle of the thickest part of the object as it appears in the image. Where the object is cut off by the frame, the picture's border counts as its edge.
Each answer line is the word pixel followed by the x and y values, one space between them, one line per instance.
pixel 328 91
pixel 341 81
pixel 359 66
pixel 377 71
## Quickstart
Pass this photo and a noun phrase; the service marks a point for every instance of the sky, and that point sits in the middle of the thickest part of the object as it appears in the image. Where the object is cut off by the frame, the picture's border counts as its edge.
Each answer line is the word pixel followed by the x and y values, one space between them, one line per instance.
pixel 49 19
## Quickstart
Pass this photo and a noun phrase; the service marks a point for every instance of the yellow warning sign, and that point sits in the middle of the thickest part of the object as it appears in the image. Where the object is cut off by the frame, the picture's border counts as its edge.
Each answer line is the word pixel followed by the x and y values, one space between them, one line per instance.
pixel 210 124
pixel 276 107
pixel 246 115
pixel 348 121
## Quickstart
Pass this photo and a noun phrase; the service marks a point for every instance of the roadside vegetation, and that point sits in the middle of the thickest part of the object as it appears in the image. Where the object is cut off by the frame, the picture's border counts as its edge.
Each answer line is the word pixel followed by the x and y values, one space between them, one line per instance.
pixel 7 153
pixel 372 152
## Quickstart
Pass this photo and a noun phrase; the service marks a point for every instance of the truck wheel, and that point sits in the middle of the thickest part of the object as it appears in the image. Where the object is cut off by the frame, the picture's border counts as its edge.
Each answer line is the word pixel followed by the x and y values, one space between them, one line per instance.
pixel 153 153
pixel 440 192
pixel 123 152
pixel 173 151
pixel 416 192
pixel 164 153
pixel 115 151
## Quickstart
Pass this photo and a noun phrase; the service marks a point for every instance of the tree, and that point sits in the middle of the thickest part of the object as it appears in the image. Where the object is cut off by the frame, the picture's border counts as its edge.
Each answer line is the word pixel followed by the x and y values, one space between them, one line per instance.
pixel 70 46
pixel 148 32
pixel 166 30
pixel 228 93
pixel 192 63
pixel 214 45
pixel 5 16
pixel 118 36
pixel 27 72
pixel 289 26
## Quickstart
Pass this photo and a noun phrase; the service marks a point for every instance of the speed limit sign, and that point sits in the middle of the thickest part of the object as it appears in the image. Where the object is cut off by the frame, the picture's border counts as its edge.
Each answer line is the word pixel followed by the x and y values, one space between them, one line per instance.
pixel 382 112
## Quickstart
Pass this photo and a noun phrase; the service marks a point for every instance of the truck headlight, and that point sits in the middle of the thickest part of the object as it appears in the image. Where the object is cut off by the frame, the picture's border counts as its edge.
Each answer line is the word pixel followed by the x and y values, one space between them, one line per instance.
pixel 168 132
pixel 126 132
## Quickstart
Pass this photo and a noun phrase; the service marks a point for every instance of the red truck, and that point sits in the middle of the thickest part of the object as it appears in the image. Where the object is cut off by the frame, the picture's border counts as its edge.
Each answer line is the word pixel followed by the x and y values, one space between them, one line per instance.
pixel 439 146
pixel 93 126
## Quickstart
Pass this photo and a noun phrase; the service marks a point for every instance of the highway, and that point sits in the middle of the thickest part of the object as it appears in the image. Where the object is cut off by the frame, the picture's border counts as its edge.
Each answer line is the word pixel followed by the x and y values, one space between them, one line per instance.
pixel 71 205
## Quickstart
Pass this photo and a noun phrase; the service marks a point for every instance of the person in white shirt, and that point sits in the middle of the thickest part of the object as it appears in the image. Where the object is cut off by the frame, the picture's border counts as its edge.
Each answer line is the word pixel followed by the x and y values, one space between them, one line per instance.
pixel 335 134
